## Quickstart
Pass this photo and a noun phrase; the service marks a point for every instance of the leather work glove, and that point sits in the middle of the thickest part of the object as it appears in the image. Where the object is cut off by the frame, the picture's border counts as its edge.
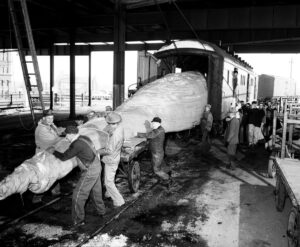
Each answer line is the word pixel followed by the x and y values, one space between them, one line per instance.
pixel 141 135
pixel 50 150
pixel 101 151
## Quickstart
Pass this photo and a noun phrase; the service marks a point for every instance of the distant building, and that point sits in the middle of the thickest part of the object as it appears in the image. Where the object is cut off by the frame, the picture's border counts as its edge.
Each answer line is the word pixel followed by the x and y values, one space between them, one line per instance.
pixel 5 74
pixel 270 86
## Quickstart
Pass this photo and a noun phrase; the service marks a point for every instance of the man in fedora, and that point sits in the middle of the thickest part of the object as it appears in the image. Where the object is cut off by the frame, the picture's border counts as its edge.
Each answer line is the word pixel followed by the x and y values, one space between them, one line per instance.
pixel 47 135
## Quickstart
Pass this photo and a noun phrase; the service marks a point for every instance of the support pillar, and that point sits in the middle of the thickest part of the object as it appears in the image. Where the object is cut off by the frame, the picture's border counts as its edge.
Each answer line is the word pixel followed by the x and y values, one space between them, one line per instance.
pixel 51 75
pixel 90 77
pixel 72 75
pixel 119 55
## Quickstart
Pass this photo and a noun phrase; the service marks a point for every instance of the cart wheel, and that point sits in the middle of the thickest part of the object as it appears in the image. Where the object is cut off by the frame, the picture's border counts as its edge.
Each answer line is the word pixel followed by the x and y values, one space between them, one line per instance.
pixel 271 169
pixel 293 229
pixel 280 194
pixel 134 175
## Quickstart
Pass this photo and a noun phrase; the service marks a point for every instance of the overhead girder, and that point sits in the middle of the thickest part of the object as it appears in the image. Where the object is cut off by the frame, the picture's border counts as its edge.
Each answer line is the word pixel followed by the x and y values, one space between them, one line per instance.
pixel 230 26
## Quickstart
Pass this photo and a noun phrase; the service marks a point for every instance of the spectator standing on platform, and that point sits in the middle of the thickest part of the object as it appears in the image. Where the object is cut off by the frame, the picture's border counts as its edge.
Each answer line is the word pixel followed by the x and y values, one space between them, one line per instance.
pixel 232 138
pixel 255 124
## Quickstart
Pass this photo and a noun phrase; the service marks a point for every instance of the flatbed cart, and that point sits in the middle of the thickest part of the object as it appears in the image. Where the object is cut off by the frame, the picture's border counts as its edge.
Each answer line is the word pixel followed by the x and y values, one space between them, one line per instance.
pixel 129 167
pixel 288 185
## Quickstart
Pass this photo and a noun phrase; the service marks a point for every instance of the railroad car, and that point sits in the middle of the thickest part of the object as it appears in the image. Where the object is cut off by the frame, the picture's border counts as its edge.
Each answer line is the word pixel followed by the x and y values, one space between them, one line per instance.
pixel 229 79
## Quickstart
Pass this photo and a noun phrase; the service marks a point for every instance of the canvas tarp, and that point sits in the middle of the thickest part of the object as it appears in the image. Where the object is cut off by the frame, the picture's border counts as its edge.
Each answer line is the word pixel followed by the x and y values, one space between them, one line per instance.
pixel 41 171
pixel 178 99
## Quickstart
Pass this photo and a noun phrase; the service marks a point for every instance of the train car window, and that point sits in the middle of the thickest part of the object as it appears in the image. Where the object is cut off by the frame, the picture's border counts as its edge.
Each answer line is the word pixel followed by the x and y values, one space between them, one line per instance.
pixel 228 72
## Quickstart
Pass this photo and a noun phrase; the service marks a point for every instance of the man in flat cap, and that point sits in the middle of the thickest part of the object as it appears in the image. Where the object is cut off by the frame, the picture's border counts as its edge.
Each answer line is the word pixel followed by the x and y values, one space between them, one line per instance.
pixel 46 135
pixel 156 139
pixel 112 155
pixel 90 178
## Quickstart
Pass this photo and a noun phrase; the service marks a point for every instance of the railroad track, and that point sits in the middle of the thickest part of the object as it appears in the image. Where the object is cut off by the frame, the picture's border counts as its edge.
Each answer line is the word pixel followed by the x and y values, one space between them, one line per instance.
pixel 115 217
pixel 11 222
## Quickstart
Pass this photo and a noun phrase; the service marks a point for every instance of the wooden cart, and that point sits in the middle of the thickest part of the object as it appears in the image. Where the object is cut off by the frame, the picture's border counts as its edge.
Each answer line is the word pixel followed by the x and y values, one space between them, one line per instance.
pixel 282 149
pixel 288 185
pixel 129 167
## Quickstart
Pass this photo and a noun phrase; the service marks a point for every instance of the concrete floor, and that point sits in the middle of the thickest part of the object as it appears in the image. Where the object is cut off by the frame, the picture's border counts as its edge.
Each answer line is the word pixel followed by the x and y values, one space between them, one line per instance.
pixel 207 205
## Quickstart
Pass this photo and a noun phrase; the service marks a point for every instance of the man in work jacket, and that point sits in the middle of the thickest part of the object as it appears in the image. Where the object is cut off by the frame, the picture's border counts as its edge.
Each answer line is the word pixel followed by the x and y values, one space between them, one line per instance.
pixel 46 135
pixel 111 156
pixel 206 123
pixel 90 178
pixel 232 138
pixel 156 139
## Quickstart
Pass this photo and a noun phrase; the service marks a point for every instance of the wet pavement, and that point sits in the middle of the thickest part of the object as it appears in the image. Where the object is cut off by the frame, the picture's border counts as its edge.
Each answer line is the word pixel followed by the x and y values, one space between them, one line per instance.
pixel 206 205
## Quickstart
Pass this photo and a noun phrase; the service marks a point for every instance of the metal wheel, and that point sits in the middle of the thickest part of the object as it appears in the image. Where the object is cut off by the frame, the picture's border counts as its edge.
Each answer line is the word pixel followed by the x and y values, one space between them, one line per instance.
pixel 293 229
pixel 134 175
pixel 271 169
pixel 280 194
pixel 271 166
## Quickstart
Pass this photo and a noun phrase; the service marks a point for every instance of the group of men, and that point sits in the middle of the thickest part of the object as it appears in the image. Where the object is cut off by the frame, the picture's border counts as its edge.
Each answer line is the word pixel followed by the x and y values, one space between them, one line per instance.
pixel 89 159
pixel 248 125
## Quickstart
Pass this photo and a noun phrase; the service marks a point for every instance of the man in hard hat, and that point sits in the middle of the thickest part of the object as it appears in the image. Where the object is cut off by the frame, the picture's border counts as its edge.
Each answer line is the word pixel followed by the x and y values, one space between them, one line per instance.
pixel 90 178
pixel 156 139
pixel 111 156
pixel 206 123
pixel 46 135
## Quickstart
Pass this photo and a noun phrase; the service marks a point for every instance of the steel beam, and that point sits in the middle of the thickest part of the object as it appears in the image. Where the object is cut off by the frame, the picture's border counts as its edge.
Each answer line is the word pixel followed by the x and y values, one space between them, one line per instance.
pixel 51 75
pixel 119 55
pixel 72 75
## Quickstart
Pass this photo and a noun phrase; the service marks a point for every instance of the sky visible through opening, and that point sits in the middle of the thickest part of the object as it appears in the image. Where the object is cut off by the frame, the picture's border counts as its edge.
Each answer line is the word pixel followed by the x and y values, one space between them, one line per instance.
pixel 284 65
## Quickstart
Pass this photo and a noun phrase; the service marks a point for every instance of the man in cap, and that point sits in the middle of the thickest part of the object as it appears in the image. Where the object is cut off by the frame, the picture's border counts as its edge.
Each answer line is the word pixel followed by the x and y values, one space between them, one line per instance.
pixel 111 156
pixel 91 115
pixel 232 137
pixel 46 135
pixel 90 178
pixel 206 123
pixel 156 139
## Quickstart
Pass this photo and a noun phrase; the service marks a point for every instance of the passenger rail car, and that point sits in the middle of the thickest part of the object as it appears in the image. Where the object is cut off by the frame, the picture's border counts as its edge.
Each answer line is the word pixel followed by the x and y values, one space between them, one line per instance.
pixel 229 78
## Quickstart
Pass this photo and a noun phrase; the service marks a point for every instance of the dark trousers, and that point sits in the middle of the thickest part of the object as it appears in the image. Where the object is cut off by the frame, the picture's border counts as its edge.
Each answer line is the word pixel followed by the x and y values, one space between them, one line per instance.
pixel 89 184
pixel 159 165
pixel 231 152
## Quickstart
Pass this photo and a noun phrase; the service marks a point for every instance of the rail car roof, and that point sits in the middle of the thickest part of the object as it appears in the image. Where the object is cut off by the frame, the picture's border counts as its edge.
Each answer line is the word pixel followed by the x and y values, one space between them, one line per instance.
pixel 196 47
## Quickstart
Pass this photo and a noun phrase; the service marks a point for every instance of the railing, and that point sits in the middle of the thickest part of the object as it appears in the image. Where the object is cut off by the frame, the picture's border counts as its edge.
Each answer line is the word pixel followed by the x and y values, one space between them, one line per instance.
pixel 9 101
pixel 18 100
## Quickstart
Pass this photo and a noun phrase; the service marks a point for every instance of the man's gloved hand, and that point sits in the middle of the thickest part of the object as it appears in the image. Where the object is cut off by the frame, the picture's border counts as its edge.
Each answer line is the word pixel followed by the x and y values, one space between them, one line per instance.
pixel 141 135
pixel 50 150
pixel 61 130
pixel 101 151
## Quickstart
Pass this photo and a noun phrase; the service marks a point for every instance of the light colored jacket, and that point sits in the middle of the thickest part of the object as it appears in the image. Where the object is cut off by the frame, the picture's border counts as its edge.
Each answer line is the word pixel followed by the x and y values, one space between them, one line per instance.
pixel 112 152
pixel 232 131
pixel 45 136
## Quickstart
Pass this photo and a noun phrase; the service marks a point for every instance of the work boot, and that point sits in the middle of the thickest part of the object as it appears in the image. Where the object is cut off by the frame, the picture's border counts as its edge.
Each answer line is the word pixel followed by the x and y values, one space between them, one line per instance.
pixel 56 190
pixel 232 165
pixel 37 199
